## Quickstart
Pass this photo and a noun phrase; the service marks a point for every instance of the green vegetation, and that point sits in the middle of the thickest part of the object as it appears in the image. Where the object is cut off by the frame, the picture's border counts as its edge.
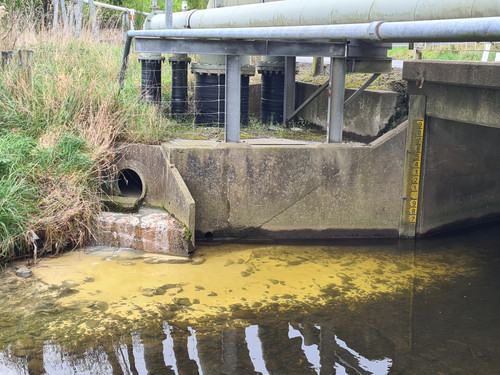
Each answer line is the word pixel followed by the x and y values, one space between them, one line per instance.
pixel 56 138
pixel 451 53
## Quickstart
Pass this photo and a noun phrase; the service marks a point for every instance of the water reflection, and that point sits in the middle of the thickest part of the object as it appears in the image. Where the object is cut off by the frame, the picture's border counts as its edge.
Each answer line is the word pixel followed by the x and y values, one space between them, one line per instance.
pixel 380 308
pixel 157 355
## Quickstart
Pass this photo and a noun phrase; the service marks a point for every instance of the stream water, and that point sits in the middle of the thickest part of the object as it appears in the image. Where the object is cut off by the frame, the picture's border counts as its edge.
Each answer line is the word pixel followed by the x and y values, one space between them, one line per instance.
pixel 345 307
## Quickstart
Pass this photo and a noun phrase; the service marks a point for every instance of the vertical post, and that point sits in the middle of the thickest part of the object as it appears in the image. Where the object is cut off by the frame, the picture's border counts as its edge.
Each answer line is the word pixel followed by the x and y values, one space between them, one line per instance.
pixel 72 17
pixel 64 15
pixel 486 52
pixel 6 58
pixel 79 18
pixel 233 98
pixel 413 165
pixel 26 66
pixel 93 20
pixel 131 15
pixel 124 24
pixel 289 92
pixel 168 14
pixel 56 14
pixel 317 66
pixel 336 100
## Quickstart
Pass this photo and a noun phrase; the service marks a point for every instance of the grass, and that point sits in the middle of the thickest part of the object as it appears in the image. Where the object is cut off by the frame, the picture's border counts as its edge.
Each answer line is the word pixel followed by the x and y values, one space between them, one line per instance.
pixel 56 137
pixel 443 53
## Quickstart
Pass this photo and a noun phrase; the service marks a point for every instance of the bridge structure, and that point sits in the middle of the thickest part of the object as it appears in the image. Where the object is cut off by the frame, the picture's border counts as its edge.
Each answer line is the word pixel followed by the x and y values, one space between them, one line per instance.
pixel 436 171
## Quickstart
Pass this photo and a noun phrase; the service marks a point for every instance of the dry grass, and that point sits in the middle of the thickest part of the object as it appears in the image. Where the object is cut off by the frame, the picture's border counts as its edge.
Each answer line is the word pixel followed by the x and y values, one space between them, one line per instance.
pixel 66 126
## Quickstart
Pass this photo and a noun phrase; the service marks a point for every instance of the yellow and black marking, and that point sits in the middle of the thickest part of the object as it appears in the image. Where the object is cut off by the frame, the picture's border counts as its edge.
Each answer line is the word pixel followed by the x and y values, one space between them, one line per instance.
pixel 416 137
pixel 413 166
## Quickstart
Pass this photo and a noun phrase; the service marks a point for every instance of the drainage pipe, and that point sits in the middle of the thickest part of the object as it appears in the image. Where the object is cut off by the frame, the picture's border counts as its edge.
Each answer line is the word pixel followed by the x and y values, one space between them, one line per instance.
pixel 456 30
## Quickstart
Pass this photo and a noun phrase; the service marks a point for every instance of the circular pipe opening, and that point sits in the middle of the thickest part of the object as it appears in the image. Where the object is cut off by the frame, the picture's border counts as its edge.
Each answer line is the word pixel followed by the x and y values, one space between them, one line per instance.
pixel 130 183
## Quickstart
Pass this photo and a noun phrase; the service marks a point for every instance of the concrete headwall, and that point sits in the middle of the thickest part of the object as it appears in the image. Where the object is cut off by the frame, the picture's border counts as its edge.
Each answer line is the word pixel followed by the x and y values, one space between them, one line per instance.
pixel 460 168
pixel 365 117
pixel 164 186
pixel 294 191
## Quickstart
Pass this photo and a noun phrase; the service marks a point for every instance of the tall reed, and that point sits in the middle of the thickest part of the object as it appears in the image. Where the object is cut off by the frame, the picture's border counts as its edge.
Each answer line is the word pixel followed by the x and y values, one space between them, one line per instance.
pixel 57 137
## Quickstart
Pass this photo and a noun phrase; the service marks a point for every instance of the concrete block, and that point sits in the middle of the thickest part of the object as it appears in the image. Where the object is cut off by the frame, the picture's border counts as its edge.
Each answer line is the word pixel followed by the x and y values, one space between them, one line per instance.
pixel 461 175
pixel 149 230
pixel 461 73
pixel 366 116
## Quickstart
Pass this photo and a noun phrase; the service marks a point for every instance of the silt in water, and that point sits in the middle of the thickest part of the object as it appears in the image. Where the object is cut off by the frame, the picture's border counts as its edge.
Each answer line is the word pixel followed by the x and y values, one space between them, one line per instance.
pixel 377 307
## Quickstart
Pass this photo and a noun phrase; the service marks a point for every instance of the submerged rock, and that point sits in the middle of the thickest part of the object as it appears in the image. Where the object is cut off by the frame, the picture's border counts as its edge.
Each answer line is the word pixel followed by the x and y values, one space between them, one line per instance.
pixel 98 305
pixel 23 272
pixel 67 292
pixel 69 284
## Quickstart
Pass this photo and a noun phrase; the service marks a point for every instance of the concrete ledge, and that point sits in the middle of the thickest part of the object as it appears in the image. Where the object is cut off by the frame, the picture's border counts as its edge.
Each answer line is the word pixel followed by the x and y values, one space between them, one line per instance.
pixel 462 73
pixel 474 105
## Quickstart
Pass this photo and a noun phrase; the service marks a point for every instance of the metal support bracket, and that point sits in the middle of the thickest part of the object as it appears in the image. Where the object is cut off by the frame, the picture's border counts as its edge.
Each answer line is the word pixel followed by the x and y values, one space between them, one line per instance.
pixel 336 95
pixel 359 91
pixel 233 98
pixel 313 96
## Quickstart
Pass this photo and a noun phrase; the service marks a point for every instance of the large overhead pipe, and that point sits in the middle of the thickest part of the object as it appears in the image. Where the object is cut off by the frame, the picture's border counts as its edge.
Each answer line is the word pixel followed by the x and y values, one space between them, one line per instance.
pixel 455 30
pixel 321 12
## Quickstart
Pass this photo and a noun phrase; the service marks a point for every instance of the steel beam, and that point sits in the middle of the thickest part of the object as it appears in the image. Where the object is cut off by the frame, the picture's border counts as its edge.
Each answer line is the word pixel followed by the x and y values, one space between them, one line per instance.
pixel 238 47
pixel 336 100
pixel 233 98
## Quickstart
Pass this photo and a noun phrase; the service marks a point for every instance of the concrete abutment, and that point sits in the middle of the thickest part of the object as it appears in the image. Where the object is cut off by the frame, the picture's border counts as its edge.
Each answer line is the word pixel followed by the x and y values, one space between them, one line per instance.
pixel 436 171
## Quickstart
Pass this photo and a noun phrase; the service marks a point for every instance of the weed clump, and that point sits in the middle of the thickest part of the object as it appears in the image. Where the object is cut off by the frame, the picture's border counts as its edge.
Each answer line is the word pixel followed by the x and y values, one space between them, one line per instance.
pixel 56 140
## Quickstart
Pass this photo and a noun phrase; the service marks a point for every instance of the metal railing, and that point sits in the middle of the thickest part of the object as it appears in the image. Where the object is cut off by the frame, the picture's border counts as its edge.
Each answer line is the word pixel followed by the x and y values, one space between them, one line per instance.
pixel 72 16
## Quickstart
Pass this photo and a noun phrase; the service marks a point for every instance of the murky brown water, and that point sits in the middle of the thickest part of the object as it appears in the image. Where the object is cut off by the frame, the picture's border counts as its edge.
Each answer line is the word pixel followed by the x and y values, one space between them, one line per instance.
pixel 371 307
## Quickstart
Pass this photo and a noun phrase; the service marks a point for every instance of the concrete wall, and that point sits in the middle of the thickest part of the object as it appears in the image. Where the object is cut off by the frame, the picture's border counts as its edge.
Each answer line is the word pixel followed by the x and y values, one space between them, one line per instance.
pixel 461 172
pixel 294 191
pixel 365 117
